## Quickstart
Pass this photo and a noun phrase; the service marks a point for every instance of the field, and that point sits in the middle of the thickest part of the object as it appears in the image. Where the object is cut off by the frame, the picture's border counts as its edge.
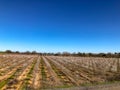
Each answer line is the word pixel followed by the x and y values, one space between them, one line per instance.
pixel 34 72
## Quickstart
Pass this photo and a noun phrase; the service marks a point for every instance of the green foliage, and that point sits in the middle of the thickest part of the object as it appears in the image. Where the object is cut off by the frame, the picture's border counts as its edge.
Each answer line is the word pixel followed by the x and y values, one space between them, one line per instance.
pixel 43 70
pixel 3 83
pixel 28 77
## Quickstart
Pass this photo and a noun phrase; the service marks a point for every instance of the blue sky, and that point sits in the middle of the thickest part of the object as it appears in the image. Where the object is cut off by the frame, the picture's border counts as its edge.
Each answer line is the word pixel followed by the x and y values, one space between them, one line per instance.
pixel 60 25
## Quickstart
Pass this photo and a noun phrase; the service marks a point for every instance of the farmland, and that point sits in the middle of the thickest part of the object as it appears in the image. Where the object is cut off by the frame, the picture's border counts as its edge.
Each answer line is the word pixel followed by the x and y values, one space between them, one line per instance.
pixel 35 72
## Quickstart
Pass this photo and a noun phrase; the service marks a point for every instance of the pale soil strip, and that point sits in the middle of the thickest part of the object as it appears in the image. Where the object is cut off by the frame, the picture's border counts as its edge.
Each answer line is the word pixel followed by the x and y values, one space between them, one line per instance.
pixel 115 86
pixel 37 77
pixel 7 68
pixel 53 75
pixel 20 78
pixel 13 71
pixel 8 74
pixel 4 60
pixel 65 71
pixel 23 76
pixel 4 66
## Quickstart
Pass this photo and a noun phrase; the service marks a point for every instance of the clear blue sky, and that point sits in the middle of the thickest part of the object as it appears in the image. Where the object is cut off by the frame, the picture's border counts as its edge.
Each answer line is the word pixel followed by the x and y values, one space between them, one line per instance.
pixel 60 25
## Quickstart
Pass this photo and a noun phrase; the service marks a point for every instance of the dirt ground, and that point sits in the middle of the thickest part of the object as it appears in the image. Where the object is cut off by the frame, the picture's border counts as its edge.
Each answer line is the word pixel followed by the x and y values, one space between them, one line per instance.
pixel 98 87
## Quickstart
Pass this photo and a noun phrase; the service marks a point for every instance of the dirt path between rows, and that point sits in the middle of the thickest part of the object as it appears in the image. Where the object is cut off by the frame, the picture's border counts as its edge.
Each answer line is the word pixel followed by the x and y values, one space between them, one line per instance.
pixel 115 86
pixel 37 77
pixel 53 76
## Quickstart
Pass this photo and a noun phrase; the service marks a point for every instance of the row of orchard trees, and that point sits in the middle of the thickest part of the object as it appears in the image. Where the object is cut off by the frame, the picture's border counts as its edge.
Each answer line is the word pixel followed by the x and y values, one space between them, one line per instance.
pixel 116 54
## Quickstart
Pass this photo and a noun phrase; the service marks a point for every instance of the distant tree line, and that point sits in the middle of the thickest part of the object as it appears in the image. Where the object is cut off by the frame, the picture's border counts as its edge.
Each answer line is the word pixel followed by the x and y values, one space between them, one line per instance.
pixel 116 54
pixel 17 52
pixel 86 54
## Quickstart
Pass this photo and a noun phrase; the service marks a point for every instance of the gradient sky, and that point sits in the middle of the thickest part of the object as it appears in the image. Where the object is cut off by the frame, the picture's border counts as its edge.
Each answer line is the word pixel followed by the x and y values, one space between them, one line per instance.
pixel 60 25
